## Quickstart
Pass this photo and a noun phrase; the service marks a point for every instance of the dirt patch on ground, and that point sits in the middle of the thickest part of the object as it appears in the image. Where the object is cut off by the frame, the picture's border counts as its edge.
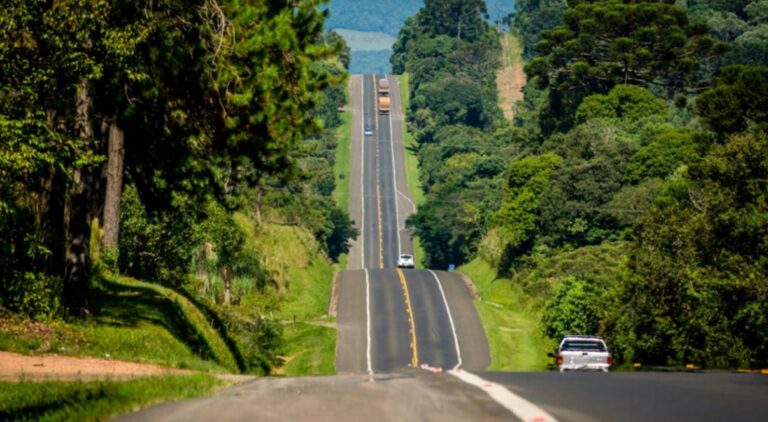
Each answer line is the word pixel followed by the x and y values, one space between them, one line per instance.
pixel 16 367
pixel 511 78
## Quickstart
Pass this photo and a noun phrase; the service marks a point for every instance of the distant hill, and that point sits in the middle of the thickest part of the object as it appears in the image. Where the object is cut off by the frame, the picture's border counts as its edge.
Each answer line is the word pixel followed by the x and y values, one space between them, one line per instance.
pixel 383 18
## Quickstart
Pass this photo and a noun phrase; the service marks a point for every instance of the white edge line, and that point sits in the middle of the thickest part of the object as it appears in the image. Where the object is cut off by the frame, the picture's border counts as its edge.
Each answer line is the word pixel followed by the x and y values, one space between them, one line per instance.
pixel 407 199
pixel 520 407
pixel 450 319
pixel 394 171
pixel 368 322
pixel 362 172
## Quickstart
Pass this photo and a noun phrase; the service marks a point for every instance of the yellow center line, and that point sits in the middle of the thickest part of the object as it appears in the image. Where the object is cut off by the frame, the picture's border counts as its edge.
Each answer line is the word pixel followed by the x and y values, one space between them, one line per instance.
pixel 378 208
pixel 409 310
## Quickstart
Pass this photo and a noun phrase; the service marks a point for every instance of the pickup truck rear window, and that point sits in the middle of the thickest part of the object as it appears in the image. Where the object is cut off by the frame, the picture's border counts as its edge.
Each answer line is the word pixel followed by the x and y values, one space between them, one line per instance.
pixel 583 345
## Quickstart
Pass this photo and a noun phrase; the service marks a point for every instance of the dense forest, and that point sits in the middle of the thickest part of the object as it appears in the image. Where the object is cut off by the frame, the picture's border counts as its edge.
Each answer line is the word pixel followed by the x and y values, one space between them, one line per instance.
pixel 637 166
pixel 131 133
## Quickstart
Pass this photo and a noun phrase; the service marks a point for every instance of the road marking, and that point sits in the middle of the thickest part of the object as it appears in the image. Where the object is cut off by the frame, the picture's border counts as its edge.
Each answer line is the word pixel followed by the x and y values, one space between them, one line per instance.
pixel 368 322
pixel 407 199
pixel 409 310
pixel 394 173
pixel 450 319
pixel 378 207
pixel 520 407
pixel 362 173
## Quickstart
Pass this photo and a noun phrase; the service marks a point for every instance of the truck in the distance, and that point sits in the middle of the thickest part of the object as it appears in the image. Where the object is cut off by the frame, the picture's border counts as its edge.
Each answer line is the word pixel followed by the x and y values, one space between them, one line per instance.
pixel 384 87
pixel 384 105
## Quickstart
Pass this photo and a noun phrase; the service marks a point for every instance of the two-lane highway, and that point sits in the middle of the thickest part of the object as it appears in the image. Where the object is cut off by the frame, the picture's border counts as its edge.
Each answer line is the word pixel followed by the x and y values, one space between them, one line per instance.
pixel 391 319
pixel 380 234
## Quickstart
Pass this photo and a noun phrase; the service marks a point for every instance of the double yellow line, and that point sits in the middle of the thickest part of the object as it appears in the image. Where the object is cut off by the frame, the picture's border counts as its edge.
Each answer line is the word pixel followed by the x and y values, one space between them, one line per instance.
pixel 409 310
pixel 378 208
pixel 400 275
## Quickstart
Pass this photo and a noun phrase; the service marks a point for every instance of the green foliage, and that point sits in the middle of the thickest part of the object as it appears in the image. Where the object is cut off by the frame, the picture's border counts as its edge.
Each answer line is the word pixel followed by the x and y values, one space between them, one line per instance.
pixel 527 179
pixel 665 154
pixel 737 101
pixel 310 350
pixel 153 247
pixel 570 310
pixel 511 321
pixel 626 102
pixel 460 19
pixel 610 42
pixel 742 24
pixel 698 263
pixel 532 17
pixel 451 54
pixel 96 400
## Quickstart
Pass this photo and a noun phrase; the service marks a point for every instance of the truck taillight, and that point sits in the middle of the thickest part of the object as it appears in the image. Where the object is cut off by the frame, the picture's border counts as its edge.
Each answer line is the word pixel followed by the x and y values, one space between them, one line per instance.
pixel 559 360
pixel 609 360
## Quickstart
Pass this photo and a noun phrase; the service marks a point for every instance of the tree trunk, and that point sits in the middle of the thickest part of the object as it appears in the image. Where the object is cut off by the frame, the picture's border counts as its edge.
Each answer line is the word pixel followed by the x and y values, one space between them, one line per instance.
pixel 226 275
pixel 258 204
pixel 204 257
pixel 50 213
pixel 78 260
pixel 114 191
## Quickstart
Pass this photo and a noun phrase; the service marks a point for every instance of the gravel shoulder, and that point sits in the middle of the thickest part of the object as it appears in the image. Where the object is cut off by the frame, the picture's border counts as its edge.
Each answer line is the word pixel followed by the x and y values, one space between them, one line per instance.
pixel 16 367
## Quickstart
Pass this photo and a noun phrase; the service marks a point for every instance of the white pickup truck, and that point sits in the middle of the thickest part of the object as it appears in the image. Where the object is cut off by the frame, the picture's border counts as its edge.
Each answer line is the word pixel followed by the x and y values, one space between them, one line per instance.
pixel 583 353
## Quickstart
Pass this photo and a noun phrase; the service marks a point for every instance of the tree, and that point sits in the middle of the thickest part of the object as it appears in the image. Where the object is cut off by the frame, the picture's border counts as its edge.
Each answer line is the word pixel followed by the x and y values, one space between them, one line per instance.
pixel 603 43
pixel 518 218
pixel 571 309
pixel 698 265
pixel 624 102
pixel 532 17
pixel 737 101
pixel 460 19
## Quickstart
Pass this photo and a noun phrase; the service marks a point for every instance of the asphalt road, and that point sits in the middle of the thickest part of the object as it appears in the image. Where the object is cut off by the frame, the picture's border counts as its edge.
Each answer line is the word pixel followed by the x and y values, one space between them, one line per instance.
pixel 411 395
pixel 642 396
pixel 392 319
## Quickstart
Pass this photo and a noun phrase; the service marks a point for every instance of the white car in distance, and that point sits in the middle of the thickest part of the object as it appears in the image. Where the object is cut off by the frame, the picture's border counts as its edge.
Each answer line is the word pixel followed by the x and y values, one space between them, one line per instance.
pixel 405 261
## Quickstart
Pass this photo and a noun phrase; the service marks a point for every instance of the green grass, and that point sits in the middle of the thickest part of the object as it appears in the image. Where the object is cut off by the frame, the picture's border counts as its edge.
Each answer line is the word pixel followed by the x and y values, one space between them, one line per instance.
pixel 310 350
pixel 304 277
pixel 412 173
pixel 98 400
pixel 510 320
pixel 132 320
pixel 309 291
pixel 343 160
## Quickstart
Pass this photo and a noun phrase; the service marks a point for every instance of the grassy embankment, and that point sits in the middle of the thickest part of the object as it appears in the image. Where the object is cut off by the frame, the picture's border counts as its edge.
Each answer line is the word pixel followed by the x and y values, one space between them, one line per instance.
pixel 96 400
pixel 343 161
pixel 132 320
pixel 510 319
pixel 412 173
pixel 303 276
pixel 511 309
pixel 310 335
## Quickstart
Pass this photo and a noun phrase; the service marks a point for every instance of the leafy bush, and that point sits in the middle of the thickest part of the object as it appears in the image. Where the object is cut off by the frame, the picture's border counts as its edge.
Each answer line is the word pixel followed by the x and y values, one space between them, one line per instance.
pixel 571 309
pixel 154 247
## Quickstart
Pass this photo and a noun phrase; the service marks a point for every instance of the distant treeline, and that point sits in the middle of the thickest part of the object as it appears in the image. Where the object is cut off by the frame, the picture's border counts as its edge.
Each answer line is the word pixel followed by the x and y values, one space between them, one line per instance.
pixel 639 156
